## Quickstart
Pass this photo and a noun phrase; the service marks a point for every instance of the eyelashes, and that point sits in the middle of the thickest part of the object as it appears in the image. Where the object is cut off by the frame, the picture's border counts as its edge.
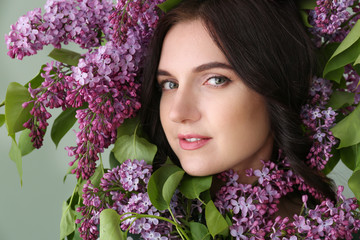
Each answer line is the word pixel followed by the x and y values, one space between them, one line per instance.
pixel 168 85
pixel 215 81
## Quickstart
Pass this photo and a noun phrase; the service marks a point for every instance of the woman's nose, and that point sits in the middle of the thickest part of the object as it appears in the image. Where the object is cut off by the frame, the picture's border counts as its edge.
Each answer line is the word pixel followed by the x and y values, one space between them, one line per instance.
pixel 185 106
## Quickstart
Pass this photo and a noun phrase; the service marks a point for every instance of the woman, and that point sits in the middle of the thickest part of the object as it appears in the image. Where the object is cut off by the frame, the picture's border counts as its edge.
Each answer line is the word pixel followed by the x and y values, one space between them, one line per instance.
pixel 233 77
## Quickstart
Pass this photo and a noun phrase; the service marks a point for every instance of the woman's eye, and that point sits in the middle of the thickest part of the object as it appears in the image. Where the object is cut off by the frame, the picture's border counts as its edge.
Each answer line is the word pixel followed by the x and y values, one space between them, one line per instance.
pixel 168 85
pixel 217 81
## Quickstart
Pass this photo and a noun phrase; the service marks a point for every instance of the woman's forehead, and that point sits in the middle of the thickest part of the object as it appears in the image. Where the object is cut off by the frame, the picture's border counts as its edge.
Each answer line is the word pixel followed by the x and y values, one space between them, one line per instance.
pixel 189 44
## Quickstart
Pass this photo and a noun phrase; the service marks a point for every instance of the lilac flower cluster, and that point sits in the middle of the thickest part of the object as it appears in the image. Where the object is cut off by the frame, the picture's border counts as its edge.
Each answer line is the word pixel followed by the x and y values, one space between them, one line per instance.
pixel 327 19
pixel 51 94
pixel 135 17
pixel 106 79
pixel 123 189
pixel 79 21
pixel 329 15
pixel 318 120
pixel 328 220
pixel 253 208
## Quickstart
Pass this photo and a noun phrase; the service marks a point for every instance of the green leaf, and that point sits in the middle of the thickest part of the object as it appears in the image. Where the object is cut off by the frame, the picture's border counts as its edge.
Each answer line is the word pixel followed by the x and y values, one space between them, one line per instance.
pixel 2 119
pixel 357 61
pixel 65 56
pixel 191 187
pixel 305 18
pixel 348 129
pixel 306 4
pixel 354 183
pixel 333 161
pixel 199 231
pixel 339 99
pixel 128 127
pixel 206 196
pixel 134 147
pixel 336 74
pixel 62 124
pixel 170 185
pixel 113 161
pixel 110 225
pixel 25 144
pixel 350 156
pixel 162 185
pixel 346 53
pixel 67 223
pixel 168 5
pixel 15 114
pixel 37 80
pixel 74 236
pixel 215 221
pixel 15 156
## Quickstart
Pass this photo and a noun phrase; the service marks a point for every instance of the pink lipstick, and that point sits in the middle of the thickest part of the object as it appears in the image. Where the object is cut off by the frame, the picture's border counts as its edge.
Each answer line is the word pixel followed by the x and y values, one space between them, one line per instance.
pixel 192 141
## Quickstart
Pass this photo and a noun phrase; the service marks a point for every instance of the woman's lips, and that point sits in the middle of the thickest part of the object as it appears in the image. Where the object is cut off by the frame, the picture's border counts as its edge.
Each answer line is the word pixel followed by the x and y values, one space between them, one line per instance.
pixel 192 142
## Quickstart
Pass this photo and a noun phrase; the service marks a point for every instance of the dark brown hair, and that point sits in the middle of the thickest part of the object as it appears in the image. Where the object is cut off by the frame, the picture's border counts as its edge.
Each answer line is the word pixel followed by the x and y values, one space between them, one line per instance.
pixel 267 45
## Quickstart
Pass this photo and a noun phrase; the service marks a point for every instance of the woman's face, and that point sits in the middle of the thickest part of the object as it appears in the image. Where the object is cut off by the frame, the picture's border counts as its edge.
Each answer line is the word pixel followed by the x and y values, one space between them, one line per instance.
pixel 212 121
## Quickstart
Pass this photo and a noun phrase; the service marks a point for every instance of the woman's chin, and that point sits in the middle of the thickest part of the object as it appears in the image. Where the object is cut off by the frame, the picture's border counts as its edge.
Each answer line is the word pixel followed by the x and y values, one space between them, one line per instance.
pixel 198 170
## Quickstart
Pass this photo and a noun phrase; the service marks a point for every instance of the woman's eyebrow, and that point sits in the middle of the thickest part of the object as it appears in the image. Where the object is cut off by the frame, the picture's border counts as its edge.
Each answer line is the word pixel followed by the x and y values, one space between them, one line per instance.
pixel 211 65
pixel 163 73
pixel 200 68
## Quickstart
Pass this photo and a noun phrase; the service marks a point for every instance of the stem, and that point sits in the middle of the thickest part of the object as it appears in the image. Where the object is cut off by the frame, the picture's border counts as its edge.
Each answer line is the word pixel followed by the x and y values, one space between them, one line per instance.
pixel 202 201
pixel 2 104
pixel 178 228
pixel 302 209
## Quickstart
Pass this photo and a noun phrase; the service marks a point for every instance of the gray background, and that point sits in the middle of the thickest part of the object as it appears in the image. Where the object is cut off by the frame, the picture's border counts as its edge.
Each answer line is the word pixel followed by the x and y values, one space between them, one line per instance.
pixel 34 211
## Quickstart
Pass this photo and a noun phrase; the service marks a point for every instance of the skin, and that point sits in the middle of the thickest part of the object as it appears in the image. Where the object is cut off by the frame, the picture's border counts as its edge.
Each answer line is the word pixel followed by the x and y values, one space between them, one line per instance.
pixel 204 99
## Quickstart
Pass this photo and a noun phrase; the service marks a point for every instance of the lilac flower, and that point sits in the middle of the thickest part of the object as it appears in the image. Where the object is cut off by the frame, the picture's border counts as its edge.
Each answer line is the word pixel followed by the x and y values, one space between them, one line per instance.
pixel 261 174
pixel 140 225
pixel 112 97
pixel 329 15
pixel 24 38
pixel 237 231
pixel 318 119
pixel 135 16
pixel 112 193
pixel 63 21
pixel 302 224
pixel 51 94
pixel 152 235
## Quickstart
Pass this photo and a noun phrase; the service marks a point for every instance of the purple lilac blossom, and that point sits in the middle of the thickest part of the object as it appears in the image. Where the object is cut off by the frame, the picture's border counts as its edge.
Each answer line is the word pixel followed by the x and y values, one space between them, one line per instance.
pixel 328 18
pixel 134 16
pixel 328 220
pixel 318 120
pixel 106 81
pixel 51 94
pixel 124 195
pixel 79 21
